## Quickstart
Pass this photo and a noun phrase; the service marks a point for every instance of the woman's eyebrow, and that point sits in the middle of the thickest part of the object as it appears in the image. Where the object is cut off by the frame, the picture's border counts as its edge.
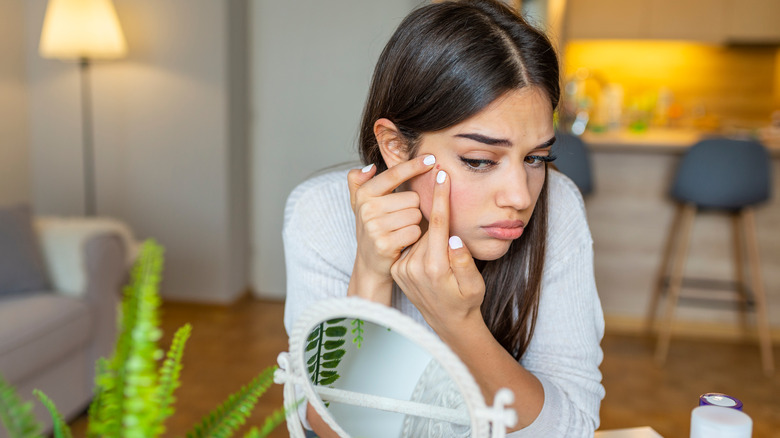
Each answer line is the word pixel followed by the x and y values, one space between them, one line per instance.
pixel 547 144
pixel 501 141
pixel 486 140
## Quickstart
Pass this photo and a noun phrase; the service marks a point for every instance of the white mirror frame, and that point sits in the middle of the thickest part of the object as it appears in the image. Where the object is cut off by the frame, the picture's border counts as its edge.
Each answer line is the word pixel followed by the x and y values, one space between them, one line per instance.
pixel 293 371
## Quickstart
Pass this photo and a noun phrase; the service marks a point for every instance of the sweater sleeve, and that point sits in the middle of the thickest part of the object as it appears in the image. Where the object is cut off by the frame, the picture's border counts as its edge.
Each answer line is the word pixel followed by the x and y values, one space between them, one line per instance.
pixel 319 249
pixel 565 351
pixel 319 243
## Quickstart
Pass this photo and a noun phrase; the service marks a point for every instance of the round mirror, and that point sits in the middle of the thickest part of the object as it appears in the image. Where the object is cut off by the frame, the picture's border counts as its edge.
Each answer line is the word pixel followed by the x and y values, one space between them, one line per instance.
pixel 369 370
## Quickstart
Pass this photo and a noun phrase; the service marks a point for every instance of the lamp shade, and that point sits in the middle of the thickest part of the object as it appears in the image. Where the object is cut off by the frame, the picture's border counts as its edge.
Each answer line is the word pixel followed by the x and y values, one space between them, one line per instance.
pixel 74 29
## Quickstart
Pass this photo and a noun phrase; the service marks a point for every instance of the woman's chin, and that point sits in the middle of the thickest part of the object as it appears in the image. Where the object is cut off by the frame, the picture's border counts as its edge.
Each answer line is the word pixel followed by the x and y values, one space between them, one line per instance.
pixel 488 250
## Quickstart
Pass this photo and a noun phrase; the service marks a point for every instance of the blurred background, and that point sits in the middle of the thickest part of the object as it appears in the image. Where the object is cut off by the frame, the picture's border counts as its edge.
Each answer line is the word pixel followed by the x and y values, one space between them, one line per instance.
pixel 220 108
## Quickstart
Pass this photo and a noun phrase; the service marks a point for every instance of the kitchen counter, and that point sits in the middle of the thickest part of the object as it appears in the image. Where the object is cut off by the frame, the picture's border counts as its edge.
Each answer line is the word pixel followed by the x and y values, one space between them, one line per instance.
pixel 663 140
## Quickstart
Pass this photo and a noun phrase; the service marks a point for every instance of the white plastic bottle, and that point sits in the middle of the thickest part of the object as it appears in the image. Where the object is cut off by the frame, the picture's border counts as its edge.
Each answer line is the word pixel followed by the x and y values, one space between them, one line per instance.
pixel 720 416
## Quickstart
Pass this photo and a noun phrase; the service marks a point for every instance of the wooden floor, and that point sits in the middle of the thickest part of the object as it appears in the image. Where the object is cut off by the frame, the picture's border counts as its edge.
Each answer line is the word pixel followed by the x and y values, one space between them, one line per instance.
pixel 230 345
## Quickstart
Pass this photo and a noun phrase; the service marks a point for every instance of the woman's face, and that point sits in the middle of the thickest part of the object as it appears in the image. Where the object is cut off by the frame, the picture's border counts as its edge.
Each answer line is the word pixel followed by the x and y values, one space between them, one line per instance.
pixel 496 164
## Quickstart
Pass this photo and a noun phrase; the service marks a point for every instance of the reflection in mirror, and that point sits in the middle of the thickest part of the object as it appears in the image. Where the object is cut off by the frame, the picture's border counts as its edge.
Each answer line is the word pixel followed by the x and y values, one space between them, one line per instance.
pixel 351 356
pixel 370 371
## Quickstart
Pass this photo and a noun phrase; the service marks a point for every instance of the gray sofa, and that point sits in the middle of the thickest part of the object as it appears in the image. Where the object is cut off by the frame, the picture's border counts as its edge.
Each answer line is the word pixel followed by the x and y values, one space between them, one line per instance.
pixel 51 336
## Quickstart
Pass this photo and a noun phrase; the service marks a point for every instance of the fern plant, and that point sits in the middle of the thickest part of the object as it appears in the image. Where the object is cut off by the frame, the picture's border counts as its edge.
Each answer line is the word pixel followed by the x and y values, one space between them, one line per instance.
pixel 134 396
pixel 17 415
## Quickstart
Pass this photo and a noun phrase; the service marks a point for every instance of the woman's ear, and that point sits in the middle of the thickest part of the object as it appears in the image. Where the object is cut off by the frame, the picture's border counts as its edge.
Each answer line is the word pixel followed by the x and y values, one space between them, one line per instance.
pixel 391 142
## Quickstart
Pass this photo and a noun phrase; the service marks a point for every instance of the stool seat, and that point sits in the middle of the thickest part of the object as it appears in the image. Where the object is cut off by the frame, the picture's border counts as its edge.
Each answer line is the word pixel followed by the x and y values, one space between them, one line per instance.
pixel 721 173
pixel 573 160
pixel 732 176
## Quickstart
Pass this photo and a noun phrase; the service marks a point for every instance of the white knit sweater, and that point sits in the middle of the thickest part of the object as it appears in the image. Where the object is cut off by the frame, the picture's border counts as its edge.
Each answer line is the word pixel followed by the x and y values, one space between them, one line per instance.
pixel 565 352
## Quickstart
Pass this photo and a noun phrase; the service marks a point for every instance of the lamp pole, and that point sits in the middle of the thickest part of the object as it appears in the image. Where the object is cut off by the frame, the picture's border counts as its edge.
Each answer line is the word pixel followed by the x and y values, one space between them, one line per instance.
pixel 90 198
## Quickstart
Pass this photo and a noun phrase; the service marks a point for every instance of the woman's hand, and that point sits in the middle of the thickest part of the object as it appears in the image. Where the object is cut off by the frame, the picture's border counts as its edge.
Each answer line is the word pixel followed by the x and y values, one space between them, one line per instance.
pixel 386 223
pixel 438 274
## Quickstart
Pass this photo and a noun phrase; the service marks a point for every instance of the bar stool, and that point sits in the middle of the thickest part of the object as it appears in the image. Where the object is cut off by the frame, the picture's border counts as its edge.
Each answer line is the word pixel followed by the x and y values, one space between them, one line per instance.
pixel 573 160
pixel 725 175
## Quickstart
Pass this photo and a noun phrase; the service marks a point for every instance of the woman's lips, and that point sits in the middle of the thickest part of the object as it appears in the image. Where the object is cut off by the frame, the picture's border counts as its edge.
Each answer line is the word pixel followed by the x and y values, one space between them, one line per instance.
pixel 504 230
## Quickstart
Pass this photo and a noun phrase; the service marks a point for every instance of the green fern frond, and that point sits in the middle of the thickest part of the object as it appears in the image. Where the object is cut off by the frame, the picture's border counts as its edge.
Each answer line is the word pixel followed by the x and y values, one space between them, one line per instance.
pixel 169 375
pixel 61 429
pixel 139 419
pixel 272 422
pixel 358 332
pixel 127 383
pixel 95 410
pixel 253 433
pixel 325 342
pixel 232 414
pixel 16 415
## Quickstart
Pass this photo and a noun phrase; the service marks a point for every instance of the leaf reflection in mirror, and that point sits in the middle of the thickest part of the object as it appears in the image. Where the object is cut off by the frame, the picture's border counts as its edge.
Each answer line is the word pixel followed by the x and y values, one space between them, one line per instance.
pixel 379 362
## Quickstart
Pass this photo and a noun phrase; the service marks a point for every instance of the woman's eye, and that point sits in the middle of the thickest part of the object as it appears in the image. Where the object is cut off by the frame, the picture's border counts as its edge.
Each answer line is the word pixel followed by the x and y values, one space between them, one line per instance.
pixel 538 160
pixel 477 164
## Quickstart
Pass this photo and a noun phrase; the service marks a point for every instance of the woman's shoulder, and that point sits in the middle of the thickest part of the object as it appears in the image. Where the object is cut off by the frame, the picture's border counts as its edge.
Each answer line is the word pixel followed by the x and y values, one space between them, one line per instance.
pixel 325 192
pixel 567 222
pixel 563 192
pixel 318 217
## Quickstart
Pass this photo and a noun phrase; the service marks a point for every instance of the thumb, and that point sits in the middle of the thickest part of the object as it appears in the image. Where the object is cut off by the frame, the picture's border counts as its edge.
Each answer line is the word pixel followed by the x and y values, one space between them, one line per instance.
pixel 465 270
pixel 358 177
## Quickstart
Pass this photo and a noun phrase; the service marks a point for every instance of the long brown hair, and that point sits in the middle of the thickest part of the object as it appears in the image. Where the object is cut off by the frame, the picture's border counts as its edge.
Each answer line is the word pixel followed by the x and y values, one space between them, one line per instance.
pixel 445 63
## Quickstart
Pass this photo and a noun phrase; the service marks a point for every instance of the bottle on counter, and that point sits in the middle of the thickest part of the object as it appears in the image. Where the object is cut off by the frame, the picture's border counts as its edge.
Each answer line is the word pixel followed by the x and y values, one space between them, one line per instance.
pixel 720 416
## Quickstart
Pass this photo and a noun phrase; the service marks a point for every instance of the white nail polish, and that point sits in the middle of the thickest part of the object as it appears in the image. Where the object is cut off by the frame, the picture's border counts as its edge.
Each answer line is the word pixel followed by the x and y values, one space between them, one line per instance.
pixel 441 176
pixel 430 159
pixel 455 242
pixel 367 168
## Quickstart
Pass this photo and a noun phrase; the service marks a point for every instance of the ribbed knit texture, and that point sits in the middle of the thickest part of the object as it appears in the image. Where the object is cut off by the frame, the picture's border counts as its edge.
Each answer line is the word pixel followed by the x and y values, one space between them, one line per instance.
pixel 565 352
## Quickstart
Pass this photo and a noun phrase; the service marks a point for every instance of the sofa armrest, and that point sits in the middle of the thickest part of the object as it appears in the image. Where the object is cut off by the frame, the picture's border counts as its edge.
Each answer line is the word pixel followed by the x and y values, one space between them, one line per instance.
pixel 63 242
pixel 107 272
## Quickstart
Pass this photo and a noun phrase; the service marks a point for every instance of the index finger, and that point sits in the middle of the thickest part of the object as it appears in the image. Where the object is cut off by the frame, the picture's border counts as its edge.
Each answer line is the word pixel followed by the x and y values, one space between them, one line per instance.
pixel 439 221
pixel 393 177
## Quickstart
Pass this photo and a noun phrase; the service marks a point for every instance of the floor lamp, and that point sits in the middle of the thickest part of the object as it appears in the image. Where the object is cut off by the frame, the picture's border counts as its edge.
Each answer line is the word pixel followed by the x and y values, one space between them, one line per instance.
pixel 83 30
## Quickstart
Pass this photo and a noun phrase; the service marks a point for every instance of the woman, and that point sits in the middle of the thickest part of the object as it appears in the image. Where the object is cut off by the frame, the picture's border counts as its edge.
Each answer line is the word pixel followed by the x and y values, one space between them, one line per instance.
pixel 455 220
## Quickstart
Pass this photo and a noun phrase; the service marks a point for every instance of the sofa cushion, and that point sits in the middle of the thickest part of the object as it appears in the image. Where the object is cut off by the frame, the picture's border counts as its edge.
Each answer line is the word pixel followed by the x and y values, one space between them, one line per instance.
pixel 22 268
pixel 38 329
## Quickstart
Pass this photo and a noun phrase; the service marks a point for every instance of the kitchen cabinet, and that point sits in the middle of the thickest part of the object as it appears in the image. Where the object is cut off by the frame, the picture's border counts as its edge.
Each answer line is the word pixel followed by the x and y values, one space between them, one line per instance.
pixel 754 21
pixel 710 21
pixel 700 20
pixel 598 19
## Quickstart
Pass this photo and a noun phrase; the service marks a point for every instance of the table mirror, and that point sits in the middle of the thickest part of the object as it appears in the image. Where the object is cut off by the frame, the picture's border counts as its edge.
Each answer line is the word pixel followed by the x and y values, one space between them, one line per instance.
pixel 369 370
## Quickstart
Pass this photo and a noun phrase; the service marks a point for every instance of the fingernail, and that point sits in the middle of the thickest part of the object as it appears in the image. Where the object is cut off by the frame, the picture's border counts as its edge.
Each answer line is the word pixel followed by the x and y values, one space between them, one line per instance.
pixel 430 159
pixel 455 242
pixel 367 168
pixel 441 176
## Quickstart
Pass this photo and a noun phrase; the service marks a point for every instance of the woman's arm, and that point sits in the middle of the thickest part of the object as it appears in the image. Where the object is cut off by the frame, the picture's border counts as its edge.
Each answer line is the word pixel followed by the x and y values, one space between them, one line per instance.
pixel 439 277
pixel 557 386
pixel 494 368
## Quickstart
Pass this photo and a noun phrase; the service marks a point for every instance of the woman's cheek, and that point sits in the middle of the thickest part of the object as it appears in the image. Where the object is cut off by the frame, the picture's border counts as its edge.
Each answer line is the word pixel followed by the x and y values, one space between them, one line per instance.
pixel 423 186
pixel 461 204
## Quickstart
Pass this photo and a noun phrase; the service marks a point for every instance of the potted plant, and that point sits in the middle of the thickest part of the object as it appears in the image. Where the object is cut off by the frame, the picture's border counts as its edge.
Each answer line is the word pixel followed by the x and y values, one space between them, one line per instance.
pixel 135 388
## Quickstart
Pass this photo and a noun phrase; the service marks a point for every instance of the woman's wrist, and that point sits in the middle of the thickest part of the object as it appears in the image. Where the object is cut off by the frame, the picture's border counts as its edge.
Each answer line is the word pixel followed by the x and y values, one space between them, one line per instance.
pixel 464 333
pixel 370 285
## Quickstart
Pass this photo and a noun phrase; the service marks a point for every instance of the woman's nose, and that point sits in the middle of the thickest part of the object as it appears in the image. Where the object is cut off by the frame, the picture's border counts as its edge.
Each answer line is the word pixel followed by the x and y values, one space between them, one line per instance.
pixel 514 191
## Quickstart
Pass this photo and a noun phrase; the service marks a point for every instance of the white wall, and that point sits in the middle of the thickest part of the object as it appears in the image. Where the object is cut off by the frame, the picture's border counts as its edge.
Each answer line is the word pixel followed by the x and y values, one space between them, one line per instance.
pixel 311 64
pixel 166 140
pixel 14 152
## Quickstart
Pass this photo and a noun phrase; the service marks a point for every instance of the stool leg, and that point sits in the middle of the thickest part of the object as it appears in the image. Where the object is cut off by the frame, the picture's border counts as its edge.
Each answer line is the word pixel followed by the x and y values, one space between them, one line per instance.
pixel 663 269
pixel 675 282
pixel 739 264
pixel 749 222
